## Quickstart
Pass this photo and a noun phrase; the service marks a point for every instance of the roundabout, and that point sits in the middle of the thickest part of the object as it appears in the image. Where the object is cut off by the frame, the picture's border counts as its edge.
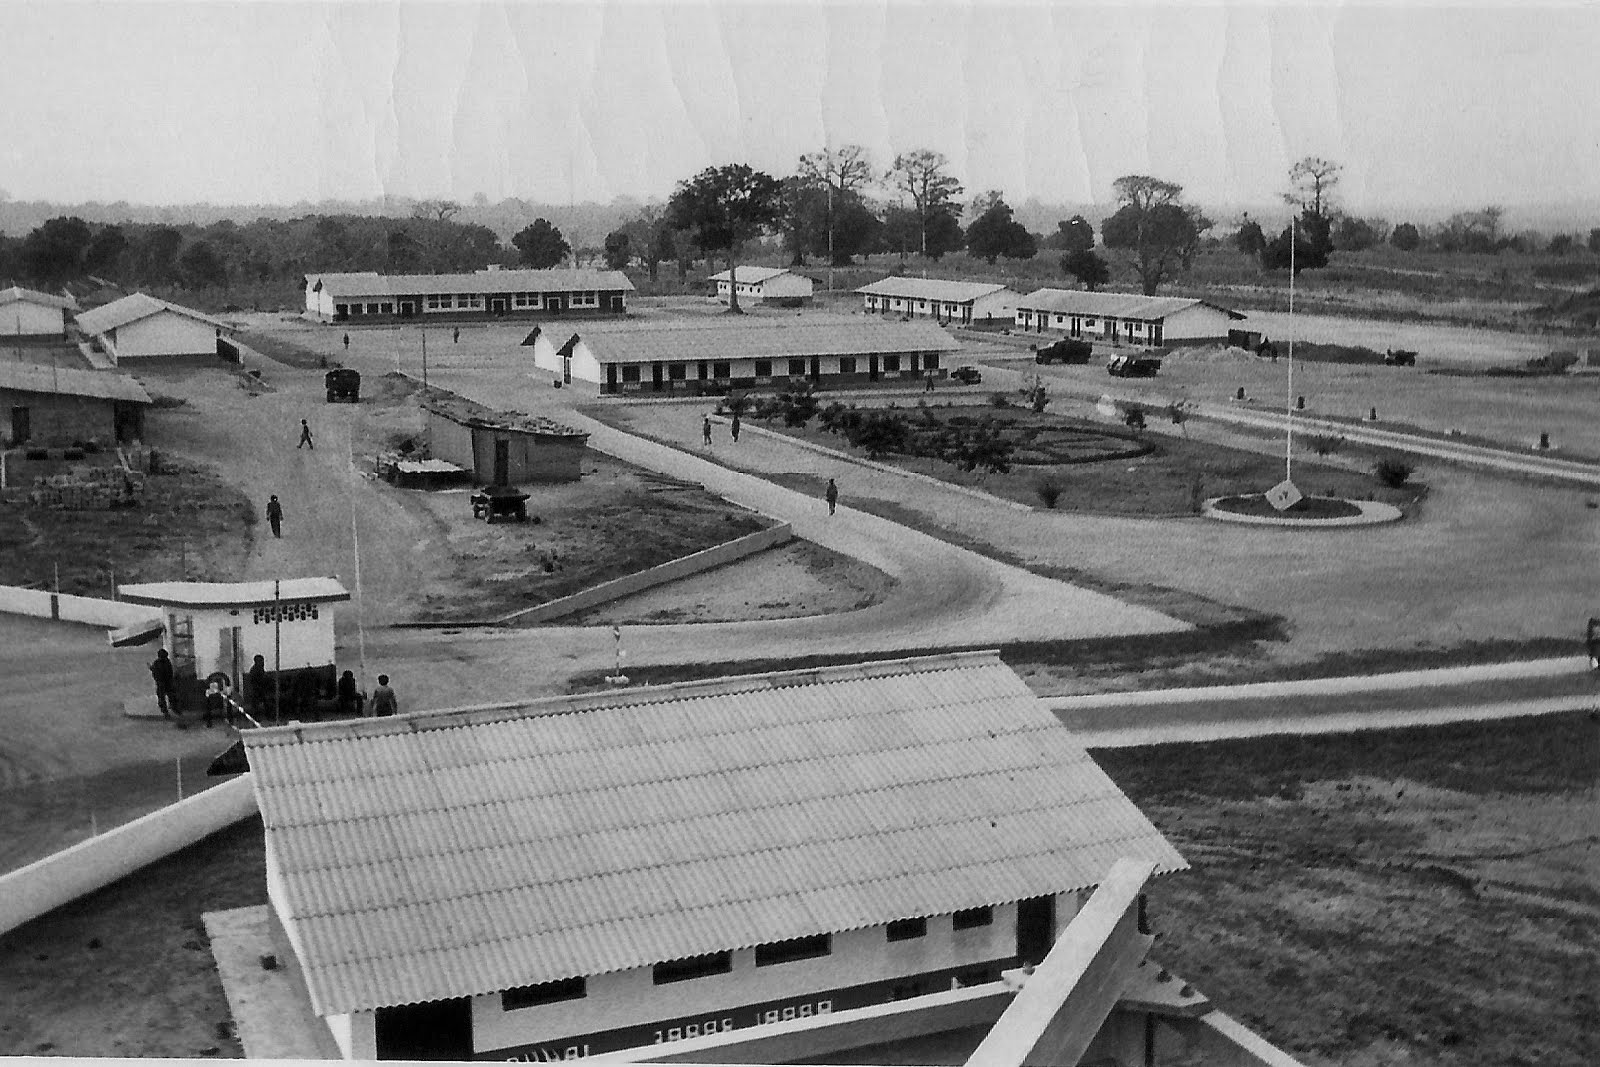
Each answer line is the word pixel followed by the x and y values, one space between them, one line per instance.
pixel 1316 512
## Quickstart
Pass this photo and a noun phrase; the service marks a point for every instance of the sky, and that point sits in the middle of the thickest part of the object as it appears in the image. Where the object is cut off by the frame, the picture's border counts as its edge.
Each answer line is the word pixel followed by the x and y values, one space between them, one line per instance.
pixel 230 102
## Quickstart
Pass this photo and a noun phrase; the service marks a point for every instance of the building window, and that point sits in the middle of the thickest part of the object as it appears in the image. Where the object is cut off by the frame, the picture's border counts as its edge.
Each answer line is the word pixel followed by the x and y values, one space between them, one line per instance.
pixel 930 360
pixel 968 918
pixel 891 364
pixel 531 996
pixel 799 948
pixel 763 368
pixel 388 309
pixel 630 372
pixel 847 364
pixel 693 967
pixel 722 370
pixel 922 305
pixel 341 309
pixel 677 371
pixel 1088 322
pixel 797 368
pixel 907 929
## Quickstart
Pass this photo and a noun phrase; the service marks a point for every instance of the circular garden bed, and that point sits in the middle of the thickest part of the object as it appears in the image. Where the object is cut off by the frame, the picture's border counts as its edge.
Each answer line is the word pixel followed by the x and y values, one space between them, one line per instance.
pixel 1307 508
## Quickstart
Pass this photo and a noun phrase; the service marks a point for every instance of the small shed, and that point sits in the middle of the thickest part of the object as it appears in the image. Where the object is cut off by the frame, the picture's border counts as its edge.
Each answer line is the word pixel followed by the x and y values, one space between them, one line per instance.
pixel 219 627
pixel 502 447
pixel 49 406
pixel 29 315
pixel 765 285
pixel 141 327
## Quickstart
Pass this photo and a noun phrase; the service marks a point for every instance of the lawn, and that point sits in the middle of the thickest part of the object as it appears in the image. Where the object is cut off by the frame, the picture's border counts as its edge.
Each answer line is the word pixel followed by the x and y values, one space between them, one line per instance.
pixel 1422 896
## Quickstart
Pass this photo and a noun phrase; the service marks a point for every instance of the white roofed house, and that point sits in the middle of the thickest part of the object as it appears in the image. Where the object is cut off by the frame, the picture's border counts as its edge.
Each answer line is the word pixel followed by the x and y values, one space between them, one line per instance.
pixel 1126 318
pixel 581 874
pixel 139 326
pixel 953 302
pixel 766 285
pixel 29 315
pixel 367 296
pixel 713 357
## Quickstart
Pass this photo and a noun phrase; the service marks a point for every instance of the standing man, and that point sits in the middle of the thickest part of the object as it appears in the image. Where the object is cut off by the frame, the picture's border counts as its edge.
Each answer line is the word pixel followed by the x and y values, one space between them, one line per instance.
pixel 383 698
pixel 275 516
pixel 255 687
pixel 305 437
pixel 705 430
pixel 347 342
pixel 831 496
pixel 733 428
pixel 455 338
pixel 166 693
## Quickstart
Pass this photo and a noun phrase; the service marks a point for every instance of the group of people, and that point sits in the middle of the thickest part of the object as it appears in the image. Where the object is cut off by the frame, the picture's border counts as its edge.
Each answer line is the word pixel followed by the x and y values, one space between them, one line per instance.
pixel 294 693
pixel 734 426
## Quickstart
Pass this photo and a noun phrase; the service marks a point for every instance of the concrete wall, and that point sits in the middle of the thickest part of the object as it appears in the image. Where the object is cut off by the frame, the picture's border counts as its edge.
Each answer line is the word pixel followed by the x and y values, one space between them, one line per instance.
pixel 55 419
pixel 1198 324
pixel 165 333
pixel 531 458
pixel 24 318
pixel 672 570
pixel 450 441
pixel 41 604
pixel 299 641
pixel 56 880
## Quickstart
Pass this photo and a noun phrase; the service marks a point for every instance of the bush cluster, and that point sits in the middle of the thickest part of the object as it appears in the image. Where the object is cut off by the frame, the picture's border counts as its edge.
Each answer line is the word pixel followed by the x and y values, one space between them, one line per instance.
pixel 969 444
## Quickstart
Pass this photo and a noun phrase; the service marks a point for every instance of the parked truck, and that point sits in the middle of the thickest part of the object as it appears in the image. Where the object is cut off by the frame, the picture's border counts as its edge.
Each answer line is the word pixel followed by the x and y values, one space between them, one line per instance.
pixel 1066 350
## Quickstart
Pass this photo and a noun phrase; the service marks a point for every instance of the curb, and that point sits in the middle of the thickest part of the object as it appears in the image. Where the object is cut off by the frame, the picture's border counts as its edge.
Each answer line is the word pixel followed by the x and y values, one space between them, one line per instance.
pixel 1373 513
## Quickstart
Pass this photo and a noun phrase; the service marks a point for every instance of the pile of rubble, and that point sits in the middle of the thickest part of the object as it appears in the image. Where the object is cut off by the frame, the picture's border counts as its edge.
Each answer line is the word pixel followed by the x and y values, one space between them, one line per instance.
pixel 89 489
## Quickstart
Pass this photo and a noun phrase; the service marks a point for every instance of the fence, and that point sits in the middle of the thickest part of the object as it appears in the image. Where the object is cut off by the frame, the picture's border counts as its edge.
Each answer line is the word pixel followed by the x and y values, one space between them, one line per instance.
pixel 67 607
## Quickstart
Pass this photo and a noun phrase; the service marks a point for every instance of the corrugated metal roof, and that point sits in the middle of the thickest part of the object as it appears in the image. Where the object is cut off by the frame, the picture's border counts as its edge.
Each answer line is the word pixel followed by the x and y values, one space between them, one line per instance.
pixel 71 381
pixel 230 594
pixel 752 275
pixel 761 338
pixel 34 296
pixel 467 412
pixel 455 853
pixel 371 283
pixel 931 289
pixel 1114 305
pixel 134 307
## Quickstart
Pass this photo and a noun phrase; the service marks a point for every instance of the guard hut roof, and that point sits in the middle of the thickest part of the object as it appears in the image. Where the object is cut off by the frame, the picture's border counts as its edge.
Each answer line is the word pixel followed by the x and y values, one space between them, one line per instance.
pixel 205 595
pixel 463 852
pixel 466 412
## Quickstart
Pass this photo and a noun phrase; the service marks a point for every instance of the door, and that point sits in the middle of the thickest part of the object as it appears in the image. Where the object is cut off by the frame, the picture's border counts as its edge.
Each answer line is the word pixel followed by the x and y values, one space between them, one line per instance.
pixel 497 306
pixel 566 370
pixel 616 303
pixel 21 425
pixel 439 1030
pixel 408 309
pixel 554 304
pixel 816 369
pixel 502 462
pixel 872 368
pixel 1036 928
pixel 1113 327
pixel 611 377
pixel 655 377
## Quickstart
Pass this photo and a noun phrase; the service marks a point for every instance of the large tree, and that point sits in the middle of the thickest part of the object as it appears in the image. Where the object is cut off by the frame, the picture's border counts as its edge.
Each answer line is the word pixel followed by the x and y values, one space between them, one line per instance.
pixel 842 174
pixel 1074 235
pixel 437 210
pixel 1405 237
pixel 104 253
pixel 402 251
pixel 53 253
pixel 923 176
pixel 1249 238
pixel 996 233
pixel 618 249
pixel 202 267
pixel 1088 268
pixel 541 245
pixel 1152 224
pixel 1311 185
pixel 722 208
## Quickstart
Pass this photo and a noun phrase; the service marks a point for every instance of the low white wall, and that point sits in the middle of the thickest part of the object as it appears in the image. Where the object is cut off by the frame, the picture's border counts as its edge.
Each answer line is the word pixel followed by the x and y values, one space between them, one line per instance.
pixel 672 570
pixel 42 604
pixel 41 887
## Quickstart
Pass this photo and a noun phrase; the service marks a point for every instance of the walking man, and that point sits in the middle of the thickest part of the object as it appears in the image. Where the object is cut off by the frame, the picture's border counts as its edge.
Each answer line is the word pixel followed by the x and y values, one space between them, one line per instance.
pixel 383 698
pixel 347 342
pixel 456 338
pixel 832 496
pixel 305 437
pixel 705 430
pixel 275 516
pixel 166 694
pixel 733 428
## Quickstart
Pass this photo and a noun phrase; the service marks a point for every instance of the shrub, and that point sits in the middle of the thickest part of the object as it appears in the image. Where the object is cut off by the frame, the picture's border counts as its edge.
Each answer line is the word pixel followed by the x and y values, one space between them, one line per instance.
pixel 1324 444
pixel 1392 471
pixel 1047 487
pixel 999 400
pixel 1134 419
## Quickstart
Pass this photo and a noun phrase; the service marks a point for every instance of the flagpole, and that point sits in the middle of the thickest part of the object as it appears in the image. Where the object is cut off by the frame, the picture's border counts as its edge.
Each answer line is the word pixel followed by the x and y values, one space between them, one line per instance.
pixel 1288 448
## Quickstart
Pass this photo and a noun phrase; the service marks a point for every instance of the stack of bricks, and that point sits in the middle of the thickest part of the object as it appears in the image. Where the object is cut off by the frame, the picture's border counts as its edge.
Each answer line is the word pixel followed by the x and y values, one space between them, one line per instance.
pixel 88 489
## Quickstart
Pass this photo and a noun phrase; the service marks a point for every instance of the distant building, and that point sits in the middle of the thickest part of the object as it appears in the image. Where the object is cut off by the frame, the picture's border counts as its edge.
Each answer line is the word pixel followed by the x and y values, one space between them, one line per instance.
pixel 766 285
pixel 1126 318
pixel 47 406
pixel 964 303
pixel 29 315
pixel 141 327
pixel 689 357
pixel 367 296
pixel 575 875
pixel 502 447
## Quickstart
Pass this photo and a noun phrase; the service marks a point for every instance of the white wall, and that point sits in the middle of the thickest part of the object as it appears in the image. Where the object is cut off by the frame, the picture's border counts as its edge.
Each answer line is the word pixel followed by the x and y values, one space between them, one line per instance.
pixel 1001 305
pixel 304 642
pixel 788 284
pixel 1199 322
pixel 69 608
pixel 630 998
pixel 165 333
pixel 31 320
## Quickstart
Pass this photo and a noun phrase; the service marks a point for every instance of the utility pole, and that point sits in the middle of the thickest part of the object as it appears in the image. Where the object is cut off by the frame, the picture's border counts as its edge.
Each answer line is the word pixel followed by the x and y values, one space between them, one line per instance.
pixel 424 357
pixel 277 651
pixel 1288 447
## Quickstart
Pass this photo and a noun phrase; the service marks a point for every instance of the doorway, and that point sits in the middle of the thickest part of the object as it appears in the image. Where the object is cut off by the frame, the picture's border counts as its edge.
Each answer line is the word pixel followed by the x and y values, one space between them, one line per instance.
pixel 438 1030
pixel 554 305
pixel 1036 928
pixel 21 425
pixel 497 306
pixel 872 368
pixel 502 462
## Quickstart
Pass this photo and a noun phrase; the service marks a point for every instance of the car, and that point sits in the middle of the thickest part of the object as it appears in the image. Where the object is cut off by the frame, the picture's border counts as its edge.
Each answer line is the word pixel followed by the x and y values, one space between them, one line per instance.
pixel 967 375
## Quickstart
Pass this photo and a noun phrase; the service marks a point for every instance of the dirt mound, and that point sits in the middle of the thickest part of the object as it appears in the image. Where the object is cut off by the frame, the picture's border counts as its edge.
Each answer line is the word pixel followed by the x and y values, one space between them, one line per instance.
pixel 1211 354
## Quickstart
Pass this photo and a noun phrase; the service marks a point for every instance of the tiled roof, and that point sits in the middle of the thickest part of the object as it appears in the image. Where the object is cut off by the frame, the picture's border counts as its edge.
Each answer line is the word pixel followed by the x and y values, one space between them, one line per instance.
pixel 751 275
pixel 233 594
pixel 460 409
pixel 371 283
pixel 1114 305
pixel 762 338
pixel 70 381
pixel 134 307
pixel 34 296
pixel 931 289
pixel 462 852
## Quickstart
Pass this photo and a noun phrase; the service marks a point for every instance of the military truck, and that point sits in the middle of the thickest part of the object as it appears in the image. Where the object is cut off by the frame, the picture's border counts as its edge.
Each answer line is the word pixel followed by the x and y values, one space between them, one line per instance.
pixel 343 385
pixel 1066 350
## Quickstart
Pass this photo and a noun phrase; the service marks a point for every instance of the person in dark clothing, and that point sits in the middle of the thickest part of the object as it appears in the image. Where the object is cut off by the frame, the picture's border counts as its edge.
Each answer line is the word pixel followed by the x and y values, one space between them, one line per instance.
pixel 307 692
pixel 383 698
pixel 349 695
pixel 347 342
pixel 831 496
pixel 165 678
pixel 733 428
pixel 705 430
pixel 455 338
pixel 216 703
pixel 275 516
pixel 305 437
pixel 255 688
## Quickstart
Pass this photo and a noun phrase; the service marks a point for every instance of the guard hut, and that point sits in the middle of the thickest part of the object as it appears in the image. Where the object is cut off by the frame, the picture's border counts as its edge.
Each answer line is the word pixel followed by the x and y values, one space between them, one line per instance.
pixel 582 874
pixel 502 447
pixel 219 627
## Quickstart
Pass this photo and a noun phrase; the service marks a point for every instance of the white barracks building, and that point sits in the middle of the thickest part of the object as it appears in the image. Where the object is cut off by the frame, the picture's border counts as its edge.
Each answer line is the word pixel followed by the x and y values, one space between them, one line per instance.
pixel 583 874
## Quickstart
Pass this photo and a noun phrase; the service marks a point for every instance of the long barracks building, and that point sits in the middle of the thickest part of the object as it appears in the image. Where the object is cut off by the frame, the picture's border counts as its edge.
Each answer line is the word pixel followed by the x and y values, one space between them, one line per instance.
pixel 590 873
pixel 367 296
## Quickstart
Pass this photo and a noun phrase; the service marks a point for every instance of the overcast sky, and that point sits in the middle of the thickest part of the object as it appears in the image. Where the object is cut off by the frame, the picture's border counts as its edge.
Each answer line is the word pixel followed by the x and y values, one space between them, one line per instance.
pixel 280 102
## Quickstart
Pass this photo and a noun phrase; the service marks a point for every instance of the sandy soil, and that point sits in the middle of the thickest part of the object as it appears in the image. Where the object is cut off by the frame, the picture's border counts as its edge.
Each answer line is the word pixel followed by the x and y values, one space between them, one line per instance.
pixel 1432 342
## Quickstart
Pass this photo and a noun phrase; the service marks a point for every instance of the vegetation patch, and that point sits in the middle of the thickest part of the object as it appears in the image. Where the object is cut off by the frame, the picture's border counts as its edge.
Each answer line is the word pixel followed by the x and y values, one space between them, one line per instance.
pixel 1306 508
